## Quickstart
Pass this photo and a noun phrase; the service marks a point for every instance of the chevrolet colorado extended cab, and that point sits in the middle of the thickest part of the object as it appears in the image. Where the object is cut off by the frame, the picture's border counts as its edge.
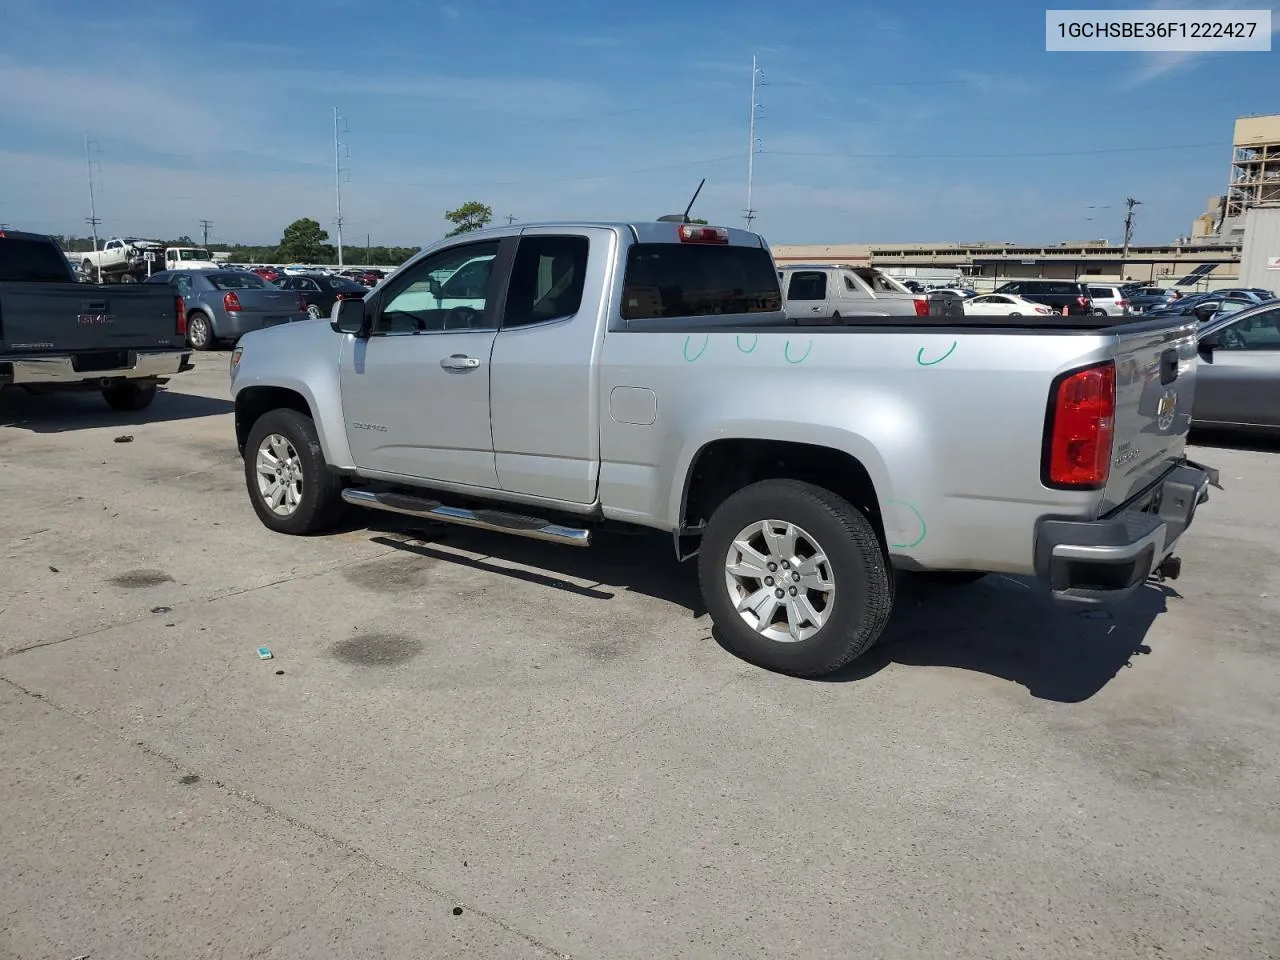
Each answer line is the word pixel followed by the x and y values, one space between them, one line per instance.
pixel 644 374
pixel 57 334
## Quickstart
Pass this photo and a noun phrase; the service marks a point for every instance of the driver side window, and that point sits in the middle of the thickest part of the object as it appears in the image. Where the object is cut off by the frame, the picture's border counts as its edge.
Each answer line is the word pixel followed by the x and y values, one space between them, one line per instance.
pixel 447 291
pixel 1259 332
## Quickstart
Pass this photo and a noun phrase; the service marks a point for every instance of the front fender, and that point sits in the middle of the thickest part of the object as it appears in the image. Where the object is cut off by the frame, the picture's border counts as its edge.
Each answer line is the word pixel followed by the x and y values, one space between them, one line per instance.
pixel 305 358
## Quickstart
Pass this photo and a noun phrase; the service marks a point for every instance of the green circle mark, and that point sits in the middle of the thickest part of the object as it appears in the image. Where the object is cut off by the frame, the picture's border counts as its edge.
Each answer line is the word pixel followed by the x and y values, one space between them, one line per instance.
pixel 786 352
pixel 705 340
pixel 923 529
pixel 929 363
pixel 754 340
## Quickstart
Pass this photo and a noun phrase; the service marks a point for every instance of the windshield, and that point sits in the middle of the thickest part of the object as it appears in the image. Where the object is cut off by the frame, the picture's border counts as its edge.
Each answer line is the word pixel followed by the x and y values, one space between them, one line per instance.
pixel 239 281
pixel 193 253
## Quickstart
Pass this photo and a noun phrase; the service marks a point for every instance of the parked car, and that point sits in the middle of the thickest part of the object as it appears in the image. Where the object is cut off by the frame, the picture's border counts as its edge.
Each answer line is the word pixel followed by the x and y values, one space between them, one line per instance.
pixel 58 334
pixel 270 274
pixel 646 374
pixel 1052 293
pixel 1256 294
pixel 835 291
pixel 1149 298
pixel 1238 381
pixel 1004 305
pixel 320 292
pixel 370 278
pixel 1108 300
pixel 225 305
pixel 1203 306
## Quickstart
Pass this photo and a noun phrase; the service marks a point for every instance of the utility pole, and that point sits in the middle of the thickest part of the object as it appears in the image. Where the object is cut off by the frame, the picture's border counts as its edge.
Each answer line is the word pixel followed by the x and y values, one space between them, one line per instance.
pixel 752 142
pixel 337 181
pixel 93 220
pixel 368 247
pixel 205 225
pixel 510 219
pixel 1128 228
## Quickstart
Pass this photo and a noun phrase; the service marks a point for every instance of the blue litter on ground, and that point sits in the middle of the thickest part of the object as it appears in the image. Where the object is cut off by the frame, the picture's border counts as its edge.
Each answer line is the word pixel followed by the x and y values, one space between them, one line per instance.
pixel 264 653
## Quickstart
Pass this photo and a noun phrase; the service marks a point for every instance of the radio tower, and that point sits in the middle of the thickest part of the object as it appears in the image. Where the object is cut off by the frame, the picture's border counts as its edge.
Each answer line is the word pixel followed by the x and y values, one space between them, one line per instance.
pixel 338 150
pixel 93 219
pixel 756 80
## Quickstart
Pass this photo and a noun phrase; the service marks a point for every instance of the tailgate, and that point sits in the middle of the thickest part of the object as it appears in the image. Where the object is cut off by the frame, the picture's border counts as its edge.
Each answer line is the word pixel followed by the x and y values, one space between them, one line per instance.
pixel 58 317
pixel 1155 387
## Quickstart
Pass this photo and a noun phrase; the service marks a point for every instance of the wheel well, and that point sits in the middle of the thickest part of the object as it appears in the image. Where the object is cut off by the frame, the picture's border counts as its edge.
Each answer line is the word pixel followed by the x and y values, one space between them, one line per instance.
pixel 723 467
pixel 253 402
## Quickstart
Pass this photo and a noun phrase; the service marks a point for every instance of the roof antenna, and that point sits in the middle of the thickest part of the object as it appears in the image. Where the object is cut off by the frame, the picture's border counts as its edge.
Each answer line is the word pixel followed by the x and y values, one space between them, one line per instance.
pixel 684 217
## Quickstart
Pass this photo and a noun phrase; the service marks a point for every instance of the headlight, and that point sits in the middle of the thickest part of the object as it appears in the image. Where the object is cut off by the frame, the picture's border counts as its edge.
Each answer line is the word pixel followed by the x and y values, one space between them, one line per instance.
pixel 234 364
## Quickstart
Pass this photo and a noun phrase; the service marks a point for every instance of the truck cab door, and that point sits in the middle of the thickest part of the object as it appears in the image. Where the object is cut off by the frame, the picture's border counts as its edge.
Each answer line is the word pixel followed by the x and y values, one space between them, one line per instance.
pixel 415 391
pixel 545 387
pixel 1240 382
pixel 807 295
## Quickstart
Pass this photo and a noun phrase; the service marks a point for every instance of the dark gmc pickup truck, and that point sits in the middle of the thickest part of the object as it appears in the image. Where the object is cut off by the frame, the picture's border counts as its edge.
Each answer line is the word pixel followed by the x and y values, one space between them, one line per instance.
pixel 57 334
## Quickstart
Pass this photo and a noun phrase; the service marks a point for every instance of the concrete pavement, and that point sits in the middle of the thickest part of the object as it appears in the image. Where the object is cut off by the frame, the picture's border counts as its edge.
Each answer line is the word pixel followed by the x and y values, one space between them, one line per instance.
pixel 550 741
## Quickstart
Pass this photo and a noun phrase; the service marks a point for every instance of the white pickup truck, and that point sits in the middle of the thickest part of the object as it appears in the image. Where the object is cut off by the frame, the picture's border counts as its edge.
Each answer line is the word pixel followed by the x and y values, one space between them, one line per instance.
pixel 643 374
pixel 130 260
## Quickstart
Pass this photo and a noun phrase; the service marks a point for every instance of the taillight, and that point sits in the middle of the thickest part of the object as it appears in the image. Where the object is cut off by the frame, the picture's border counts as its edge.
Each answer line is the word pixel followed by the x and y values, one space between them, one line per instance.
pixel 302 304
pixel 180 320
pixel 1122 304
pixel 1081 427
pixel 922 306
pixel 230 302
pixel 1082 301
pixel 692 233
pixel 1043 310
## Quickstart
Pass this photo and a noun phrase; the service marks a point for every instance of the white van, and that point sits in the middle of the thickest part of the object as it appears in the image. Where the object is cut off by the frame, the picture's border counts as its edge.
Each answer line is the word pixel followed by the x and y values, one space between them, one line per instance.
pixel 833 291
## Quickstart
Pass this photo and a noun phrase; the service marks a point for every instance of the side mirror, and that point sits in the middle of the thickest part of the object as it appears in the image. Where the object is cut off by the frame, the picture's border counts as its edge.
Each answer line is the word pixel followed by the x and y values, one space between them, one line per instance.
pixel 349 317
pixel 435 287
pixel 1206 345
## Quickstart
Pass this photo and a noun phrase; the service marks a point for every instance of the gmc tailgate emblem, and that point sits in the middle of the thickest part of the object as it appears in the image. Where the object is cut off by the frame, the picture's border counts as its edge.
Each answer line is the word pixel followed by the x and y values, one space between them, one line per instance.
pixel 95 319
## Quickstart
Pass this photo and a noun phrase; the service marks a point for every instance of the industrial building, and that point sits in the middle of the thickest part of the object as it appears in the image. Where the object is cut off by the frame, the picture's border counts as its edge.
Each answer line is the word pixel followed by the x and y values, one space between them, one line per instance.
pixel 1246 215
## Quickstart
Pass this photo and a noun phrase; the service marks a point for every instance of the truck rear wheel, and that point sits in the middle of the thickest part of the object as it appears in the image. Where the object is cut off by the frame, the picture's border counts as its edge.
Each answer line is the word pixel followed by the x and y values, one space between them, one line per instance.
pixel 794 577
pixel 291 488
pixel 129 396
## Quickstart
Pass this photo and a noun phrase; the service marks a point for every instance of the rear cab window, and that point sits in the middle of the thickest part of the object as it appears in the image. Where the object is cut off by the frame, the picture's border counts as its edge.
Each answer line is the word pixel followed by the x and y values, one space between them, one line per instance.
pixel 664 280
pixel 807 285
pixel 35 261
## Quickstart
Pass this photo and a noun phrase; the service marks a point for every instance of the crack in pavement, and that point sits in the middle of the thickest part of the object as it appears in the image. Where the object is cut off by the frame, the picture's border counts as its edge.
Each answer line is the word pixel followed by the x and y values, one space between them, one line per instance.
pixel 346 846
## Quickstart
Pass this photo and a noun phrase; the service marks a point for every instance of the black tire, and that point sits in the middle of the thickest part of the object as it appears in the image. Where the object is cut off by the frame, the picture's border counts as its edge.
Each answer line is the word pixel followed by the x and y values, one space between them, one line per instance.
pixel 1099 313
pixel 863 583
pixel 1015 314
pixel 200 332
pixel 320 504
pixel 128 278
pixel 949 578
pixel 129 397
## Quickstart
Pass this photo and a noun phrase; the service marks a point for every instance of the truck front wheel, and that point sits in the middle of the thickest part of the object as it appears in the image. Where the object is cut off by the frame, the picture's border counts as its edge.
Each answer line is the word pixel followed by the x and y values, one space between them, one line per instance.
pixel 794 577
pixel 290 486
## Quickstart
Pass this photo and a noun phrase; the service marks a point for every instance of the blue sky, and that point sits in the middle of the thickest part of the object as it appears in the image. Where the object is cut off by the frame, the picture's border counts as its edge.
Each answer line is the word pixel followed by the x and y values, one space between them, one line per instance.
pixel 874 123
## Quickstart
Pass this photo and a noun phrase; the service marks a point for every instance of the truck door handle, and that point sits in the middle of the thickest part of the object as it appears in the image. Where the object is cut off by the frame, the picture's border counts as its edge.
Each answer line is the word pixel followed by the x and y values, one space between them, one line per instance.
pixel 459 362
pixel 816 309
pixel 96 305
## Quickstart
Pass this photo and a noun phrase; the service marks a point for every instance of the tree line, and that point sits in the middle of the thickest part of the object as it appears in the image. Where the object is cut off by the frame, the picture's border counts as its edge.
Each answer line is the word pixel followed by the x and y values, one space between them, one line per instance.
pixel 305 241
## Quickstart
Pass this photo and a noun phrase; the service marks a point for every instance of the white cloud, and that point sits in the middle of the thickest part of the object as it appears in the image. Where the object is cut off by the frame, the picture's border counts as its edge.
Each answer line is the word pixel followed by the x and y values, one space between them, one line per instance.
pixel 1153 66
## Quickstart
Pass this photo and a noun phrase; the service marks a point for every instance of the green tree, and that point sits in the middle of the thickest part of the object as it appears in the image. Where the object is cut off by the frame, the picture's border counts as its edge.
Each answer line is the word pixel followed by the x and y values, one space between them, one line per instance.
pixel 184 241
pixel 472 215
pixel 303 241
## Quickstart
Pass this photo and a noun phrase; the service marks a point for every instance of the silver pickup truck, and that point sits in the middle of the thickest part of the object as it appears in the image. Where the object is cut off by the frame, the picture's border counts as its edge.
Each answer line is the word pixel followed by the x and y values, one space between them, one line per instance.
pixel 644 374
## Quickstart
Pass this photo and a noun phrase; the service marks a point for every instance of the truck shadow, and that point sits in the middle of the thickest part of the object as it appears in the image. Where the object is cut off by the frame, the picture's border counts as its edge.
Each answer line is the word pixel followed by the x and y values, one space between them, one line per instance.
pixel 61 412
pixel 1009 628
pixel 1002 626
pixel 642 562
pixel 1256 441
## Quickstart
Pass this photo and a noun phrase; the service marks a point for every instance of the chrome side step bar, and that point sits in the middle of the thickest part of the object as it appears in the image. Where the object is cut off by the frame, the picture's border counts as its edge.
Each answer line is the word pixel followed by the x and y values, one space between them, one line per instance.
pixel 534 528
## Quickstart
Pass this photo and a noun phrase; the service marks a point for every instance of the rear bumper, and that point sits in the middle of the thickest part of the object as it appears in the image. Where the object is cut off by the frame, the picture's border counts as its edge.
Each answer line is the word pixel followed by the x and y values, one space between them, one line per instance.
pixel 93 366
pixel 236 325
pixel 1092 562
